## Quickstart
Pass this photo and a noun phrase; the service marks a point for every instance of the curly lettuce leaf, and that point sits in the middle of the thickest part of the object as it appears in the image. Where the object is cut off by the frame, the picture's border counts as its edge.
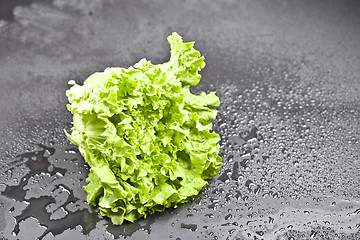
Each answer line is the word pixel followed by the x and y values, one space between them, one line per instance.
pixel 146 137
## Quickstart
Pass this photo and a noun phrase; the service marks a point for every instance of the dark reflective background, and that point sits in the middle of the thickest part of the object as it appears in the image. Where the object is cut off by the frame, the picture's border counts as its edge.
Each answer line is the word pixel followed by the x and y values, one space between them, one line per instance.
pixel 287 74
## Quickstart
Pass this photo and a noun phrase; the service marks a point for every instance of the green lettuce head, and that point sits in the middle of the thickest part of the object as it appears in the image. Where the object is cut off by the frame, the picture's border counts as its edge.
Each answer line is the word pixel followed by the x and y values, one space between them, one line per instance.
pixel 146 138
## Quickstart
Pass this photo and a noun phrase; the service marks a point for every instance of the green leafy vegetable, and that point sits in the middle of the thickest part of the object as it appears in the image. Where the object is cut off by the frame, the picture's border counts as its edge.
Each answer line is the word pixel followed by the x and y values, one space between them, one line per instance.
pixel 146 138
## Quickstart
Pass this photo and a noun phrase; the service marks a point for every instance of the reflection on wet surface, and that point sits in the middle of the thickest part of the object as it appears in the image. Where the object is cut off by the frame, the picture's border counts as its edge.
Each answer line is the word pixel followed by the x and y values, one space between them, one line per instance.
pixel 52 199
pixel 48 197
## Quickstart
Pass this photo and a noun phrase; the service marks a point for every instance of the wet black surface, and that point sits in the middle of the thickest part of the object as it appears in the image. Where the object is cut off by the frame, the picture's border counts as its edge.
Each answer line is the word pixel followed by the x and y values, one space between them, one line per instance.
pixel 287 74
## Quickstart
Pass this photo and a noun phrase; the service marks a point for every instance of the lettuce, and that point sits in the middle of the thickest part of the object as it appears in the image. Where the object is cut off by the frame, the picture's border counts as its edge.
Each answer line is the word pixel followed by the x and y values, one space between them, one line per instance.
pixel 145 136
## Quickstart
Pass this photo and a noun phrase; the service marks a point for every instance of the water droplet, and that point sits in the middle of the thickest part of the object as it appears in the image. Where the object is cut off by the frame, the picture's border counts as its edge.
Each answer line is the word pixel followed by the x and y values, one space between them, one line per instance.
pixel 192 227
